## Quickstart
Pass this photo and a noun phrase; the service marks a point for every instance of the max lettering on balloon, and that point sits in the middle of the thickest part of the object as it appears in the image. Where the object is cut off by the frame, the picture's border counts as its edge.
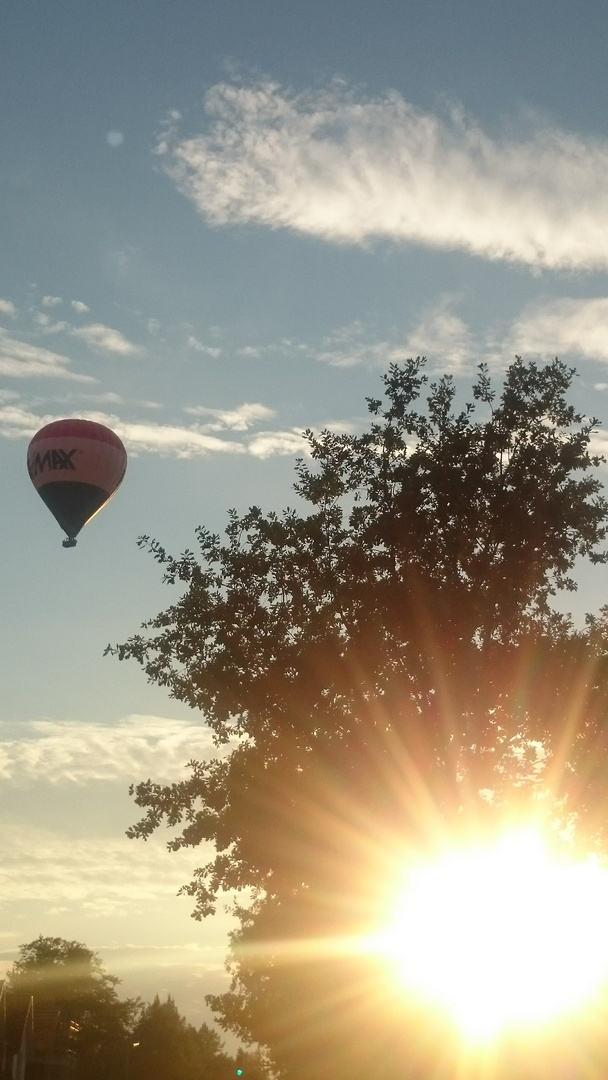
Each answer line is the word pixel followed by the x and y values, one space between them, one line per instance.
pixel 53 459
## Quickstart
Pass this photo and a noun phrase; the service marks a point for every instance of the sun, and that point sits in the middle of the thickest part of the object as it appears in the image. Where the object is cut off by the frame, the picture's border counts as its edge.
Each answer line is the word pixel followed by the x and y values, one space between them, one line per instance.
pixel 502 936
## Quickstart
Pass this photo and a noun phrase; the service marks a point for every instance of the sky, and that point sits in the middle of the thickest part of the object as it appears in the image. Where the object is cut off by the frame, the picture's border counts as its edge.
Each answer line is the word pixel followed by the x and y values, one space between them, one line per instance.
pixel 221 220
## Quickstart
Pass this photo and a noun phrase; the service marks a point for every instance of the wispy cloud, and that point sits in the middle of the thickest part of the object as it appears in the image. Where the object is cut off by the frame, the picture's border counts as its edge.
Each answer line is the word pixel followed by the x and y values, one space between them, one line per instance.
pixel 18 423
pixel 21 359
pixel 271 443
pixel 443 336
pixel 67 751
pixel 108 397
pixel 206 350
pixel 109 876
pixel 598 444
pixel 351 345
pixel 105 339
pixel 49 325
pixel 171 440
pixel 51 301
pixel 188 442
pixel 348 168
pixel 239 419
pixel 90 868
pixel 8 308
pixel 563 326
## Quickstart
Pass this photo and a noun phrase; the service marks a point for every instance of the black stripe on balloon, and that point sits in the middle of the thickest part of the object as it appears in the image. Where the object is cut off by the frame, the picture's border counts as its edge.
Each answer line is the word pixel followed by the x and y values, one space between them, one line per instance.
pixel 72 503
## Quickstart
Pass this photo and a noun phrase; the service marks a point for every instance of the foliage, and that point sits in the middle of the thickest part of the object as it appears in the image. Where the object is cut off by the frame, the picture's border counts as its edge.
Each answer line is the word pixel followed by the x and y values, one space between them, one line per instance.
pixel 108 1038
pixel 379 669
pixel 93 1022
pixel 166 1047
pixel 251 1064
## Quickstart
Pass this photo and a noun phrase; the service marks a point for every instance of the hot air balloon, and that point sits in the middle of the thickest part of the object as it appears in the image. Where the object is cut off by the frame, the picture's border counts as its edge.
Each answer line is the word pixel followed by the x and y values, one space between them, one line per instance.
pixel 75 466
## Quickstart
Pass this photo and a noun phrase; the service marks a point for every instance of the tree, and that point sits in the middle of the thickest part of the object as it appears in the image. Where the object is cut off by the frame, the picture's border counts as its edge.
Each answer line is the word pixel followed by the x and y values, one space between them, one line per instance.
pixel 166 1047
pixel 380 668
pixel 250 1065
pixel 93 1024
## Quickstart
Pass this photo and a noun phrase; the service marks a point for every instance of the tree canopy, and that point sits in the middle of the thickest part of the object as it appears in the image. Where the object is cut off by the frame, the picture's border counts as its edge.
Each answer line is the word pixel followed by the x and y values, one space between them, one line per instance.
pixel 93 1023
pixel 164 1046
pixel 379 668
pixel 81 1027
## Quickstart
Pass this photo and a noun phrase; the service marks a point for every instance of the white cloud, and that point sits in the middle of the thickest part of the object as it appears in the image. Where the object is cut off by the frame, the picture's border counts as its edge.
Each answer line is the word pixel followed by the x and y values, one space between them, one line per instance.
pixel 51 301
pixel 47 324
pixel 105 339
pixel 207 350
pixel 239 419
pixel 270 443
pixel 55 863
pixel 351 345
pixel 186 442
pixel 23 360
pixel 108 397
pixel 80 307
pixel 8 308
pixel 115 138
pixel 563 326
pixel 164 439
pixel 18 423
pixel 113 875
pixel 194 441
pixel 182 442
pixel 598 443
pixel 442 336
pixel 346 169
pixel 67 751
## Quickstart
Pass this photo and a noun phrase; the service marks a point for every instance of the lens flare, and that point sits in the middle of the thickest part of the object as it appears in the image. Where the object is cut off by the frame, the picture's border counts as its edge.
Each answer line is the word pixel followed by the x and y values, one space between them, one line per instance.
pixel 502 936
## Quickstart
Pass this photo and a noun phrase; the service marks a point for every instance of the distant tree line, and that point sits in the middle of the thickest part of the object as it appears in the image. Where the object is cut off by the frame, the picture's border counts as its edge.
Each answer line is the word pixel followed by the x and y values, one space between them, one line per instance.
pixel 62 1019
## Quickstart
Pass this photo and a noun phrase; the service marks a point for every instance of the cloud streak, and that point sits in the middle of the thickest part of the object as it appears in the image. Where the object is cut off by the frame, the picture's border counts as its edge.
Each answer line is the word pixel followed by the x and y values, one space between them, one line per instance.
pixel 109 876
pixel 103 338
pixel 239 419
pixel 22 360
pixel 172 440
pixel 8 308
pixel 352 169
pixel 563 326
pixel 67 751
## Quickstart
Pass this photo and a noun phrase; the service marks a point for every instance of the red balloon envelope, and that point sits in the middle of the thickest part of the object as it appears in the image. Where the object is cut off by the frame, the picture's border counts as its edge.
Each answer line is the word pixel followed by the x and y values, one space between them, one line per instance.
pixel 75 466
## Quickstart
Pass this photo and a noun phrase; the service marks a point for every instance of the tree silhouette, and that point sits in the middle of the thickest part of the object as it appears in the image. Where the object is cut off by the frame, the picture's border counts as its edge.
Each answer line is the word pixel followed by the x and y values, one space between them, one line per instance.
pixel 92 1023
pixel 381 668
pixel 166 1047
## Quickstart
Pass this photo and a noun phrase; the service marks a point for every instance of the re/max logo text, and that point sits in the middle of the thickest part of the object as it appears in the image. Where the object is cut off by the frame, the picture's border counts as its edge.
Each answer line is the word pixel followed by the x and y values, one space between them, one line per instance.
pixel 53 459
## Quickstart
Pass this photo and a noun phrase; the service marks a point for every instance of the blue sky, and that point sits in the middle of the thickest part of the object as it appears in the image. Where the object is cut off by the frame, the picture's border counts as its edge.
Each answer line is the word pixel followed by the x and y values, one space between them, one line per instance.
pixel 220 222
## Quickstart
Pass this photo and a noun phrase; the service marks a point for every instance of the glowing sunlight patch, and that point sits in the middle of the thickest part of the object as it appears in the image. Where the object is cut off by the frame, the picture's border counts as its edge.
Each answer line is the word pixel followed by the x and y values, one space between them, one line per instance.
pixel 502 936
